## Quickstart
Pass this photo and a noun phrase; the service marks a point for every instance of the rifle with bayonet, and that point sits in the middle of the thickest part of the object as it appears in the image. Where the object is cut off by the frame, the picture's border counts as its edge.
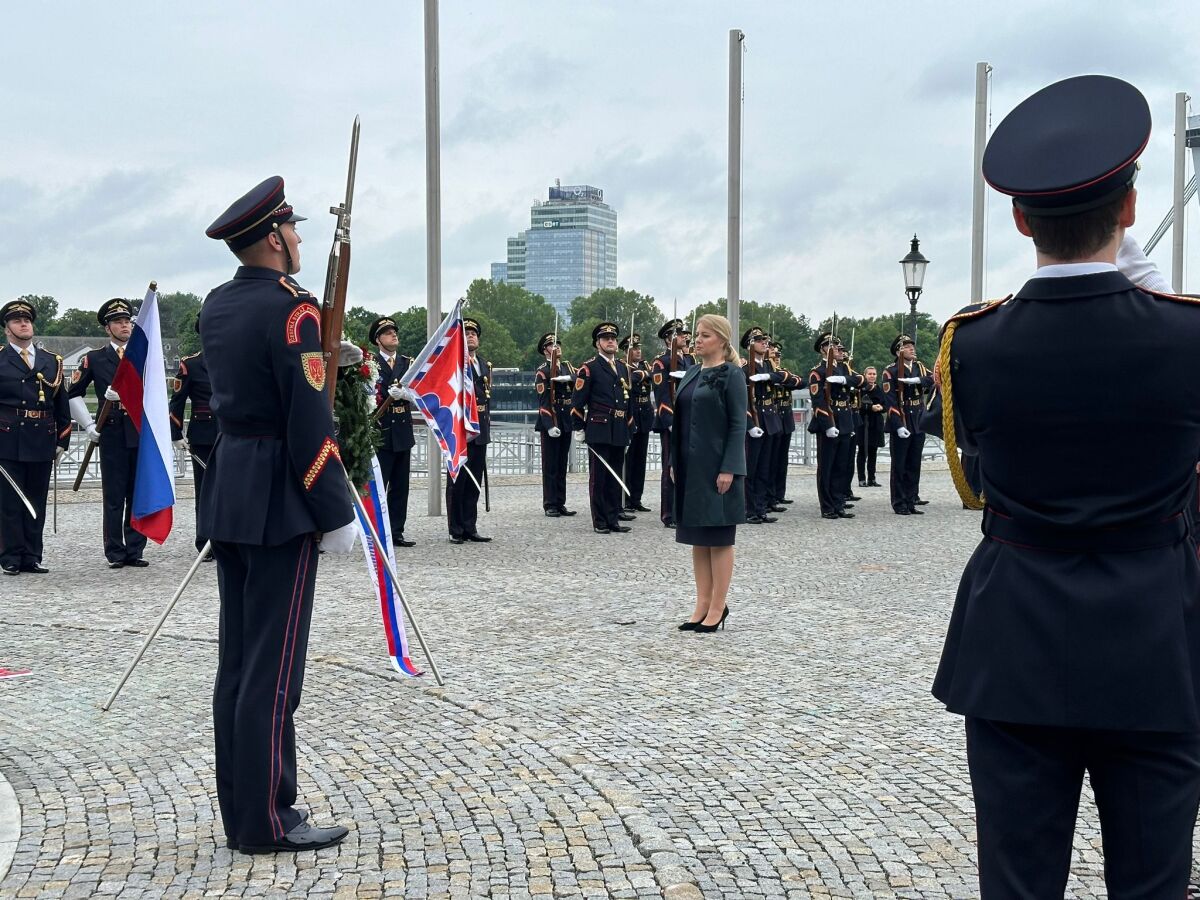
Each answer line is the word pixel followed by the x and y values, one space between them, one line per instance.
pixel 337 274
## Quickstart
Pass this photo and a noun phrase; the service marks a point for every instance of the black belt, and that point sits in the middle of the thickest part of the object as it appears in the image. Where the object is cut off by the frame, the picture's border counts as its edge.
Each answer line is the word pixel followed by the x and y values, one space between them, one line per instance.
pixel 1127 539
pixel 21 413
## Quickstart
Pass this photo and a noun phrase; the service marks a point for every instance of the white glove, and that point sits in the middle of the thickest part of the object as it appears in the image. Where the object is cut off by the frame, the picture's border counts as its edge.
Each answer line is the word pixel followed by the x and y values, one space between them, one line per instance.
pixel 110 394
pixel 903 432
pixel 1133 264
pixel 555 432
pixel 180 444
pixel 910 380
pixel 831 432
pixel 561 378
pixel 755 432
pixel 678 374
pixel 836 379
pixel 93 433
pixel 349 354
pixel 764 376
pixel 339 541
pixel 58 452
pixel 396 392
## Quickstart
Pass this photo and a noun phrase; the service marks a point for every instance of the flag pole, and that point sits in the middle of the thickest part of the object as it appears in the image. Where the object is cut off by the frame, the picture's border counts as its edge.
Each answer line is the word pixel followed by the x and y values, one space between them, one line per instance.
pixel 381 552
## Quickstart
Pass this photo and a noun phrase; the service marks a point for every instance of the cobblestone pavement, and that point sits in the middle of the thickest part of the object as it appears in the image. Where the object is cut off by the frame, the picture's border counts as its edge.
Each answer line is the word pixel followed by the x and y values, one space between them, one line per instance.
pixel 582 746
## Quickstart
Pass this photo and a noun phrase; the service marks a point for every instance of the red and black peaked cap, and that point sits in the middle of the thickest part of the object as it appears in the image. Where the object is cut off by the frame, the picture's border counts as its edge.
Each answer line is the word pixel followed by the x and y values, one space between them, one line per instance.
pixel 1071 147
pixel 254 215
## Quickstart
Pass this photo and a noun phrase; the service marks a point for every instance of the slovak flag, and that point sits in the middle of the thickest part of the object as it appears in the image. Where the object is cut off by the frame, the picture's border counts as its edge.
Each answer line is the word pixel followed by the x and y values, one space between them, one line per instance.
pixel 442 387
pixel 142 383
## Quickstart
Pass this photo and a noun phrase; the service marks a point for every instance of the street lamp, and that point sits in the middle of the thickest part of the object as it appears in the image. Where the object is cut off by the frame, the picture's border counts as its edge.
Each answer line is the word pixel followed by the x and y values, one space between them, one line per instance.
pixel 914 276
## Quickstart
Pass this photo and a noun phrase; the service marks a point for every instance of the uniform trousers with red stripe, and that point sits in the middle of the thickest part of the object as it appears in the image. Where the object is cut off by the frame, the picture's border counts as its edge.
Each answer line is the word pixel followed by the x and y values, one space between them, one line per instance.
pixel 266 609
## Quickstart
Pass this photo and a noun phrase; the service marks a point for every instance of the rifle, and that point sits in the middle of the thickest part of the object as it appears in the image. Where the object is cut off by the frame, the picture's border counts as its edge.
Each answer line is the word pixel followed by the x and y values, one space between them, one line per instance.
pixel 750 368
pixel 552 371
pixel 337 273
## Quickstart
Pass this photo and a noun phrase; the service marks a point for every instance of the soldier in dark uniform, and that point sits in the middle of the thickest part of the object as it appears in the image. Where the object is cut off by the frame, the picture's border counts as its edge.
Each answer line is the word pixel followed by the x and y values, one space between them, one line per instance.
pixel 462 494
pixel 904 396
pixel 832 423
pixel 869 438
pixel 600 407
pixel 665 373
pixel 395 424
pixel 35 428
pixel 787 420
pixel 191 383
pixel 763 426
pixel 553 383
pixel 641 421
pixel 274 495
pixel 1074 645
pixel 844 477
pixel 117 436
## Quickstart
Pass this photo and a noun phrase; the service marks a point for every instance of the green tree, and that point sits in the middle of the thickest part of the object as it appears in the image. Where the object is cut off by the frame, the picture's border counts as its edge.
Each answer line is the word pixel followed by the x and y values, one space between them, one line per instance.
pixel 496 345
pixel 525 316
pixel 357 321
pixel 793 331
pixel 412 330
pixel 75 323
pixel 46 308
pixel 619 305
pixel 873 336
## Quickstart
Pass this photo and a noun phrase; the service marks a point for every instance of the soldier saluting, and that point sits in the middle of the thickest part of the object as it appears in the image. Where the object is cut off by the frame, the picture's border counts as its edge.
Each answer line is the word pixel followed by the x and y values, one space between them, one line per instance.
pixel 274 495
pixel 35 428
pixel 1074 644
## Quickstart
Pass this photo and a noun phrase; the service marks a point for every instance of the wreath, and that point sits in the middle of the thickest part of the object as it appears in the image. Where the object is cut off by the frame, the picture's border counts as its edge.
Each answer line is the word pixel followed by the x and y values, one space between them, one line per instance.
pixel 354 408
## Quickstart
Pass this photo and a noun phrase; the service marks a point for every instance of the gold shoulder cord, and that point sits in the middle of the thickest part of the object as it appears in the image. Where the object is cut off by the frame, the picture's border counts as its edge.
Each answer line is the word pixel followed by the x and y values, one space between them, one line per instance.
pixel 948 436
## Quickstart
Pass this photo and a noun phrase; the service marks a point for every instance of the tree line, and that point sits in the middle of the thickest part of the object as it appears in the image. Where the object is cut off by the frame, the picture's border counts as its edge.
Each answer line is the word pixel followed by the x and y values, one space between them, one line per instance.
pixel 513 319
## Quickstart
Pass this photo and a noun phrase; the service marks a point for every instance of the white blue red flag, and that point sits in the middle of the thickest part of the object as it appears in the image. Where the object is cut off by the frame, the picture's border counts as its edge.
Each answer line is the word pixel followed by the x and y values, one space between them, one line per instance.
pixel 386 592
pixel 141 380
pixel 442 387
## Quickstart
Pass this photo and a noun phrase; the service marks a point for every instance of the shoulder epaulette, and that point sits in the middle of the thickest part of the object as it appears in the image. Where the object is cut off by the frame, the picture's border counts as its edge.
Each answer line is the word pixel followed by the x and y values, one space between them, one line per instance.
pixel 1163 295
pixel 189 356
pixel 294 290
pixel 975 310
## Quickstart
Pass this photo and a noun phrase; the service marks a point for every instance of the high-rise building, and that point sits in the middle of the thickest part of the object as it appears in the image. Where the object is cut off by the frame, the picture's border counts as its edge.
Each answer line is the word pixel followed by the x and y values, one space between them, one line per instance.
pixel 570 249
pixel 499 272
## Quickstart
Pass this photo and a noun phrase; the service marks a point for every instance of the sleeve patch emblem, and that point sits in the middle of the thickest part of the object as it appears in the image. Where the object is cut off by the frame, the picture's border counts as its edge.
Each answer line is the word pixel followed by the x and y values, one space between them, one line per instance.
pixel 328 448
pixel 813 387
pixel 579 383
pixel 314 369
pixel 176 384
pixel 299 314
pixel 541 387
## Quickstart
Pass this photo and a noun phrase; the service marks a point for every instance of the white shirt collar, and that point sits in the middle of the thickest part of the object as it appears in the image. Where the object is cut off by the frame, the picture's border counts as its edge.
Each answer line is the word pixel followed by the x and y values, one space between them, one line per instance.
pixel 1066 270
pixel 31 350
pixel 119 348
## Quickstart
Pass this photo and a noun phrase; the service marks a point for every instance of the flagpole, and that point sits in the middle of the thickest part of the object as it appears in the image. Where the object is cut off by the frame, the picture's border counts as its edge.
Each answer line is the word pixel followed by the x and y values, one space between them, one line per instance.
pixel 381 552
pixel 433 225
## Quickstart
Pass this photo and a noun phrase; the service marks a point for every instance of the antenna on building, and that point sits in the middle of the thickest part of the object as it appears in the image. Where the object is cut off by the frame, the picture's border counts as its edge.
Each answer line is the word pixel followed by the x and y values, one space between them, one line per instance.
pixel 557 183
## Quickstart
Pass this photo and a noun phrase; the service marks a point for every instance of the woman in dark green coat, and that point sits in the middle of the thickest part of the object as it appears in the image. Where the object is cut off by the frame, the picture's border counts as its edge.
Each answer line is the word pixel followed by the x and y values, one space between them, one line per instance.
pixel 708 453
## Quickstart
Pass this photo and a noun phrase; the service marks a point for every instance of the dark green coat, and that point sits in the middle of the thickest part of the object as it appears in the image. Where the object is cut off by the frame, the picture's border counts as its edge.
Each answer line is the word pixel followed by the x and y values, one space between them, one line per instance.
pixel 715 443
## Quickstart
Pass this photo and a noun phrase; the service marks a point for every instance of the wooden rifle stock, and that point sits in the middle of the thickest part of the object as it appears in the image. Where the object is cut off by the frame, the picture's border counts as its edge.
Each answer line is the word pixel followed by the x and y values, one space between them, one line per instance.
pixel 105 409
pixel 337 274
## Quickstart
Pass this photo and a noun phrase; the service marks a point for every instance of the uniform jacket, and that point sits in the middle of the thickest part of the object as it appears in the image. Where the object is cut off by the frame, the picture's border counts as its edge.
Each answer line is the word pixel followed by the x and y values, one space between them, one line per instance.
pixel 482 370
pixel 665 388
pixel 764 394
pixel 640 400
pixel 275 471
pixel 715 443
pixel 558 413
pixel 1081 606
pixel 97 368
pixel 396 425
pixel 835 410
pixel 783 398
pixel 31 428
pixel 904 402
pixel 600 401
pixel 191 382
pixel 872 421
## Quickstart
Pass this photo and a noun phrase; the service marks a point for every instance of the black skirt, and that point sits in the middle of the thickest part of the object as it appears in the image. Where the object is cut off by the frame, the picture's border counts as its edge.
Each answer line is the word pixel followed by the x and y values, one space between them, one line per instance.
pixel 696 535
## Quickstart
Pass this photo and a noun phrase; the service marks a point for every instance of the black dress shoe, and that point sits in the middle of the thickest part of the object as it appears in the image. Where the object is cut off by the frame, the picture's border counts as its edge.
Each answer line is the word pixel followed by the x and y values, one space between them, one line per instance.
pixel 455 539
pixel 119 564
pixel 11 570
pixel 920 502
pixel 862 482
pixel 842 514
pixel 847 506
pixel 401 542
pixel 35 568
pixel 137 563
pixel 626 517
pixel 553 514
pixel 668 524
pixel 754 520
pixel 303 837
pixel 788 502
pixel 208 557
pixel 776 508
pixel 770 519
pixel 477 538
pixel 640 508
pixel 853 497
pixel 566 512
pixel 913 511
pixel 874 484
pixel 830 516
pixel 619 529
pixel 601 529
pixel 901 512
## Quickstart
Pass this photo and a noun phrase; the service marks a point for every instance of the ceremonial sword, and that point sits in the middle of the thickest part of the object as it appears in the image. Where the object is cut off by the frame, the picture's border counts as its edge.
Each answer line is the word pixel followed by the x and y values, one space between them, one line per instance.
pixel 610 470
pixel 20 493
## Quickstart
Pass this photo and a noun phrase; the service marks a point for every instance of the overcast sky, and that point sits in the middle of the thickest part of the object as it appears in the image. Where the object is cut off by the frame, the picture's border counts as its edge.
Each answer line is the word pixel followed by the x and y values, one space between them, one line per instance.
pixel 128 127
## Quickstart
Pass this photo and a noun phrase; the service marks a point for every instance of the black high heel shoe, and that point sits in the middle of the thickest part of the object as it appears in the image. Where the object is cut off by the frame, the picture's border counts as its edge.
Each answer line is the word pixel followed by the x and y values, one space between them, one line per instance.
pixel 701 628
pixel 689 626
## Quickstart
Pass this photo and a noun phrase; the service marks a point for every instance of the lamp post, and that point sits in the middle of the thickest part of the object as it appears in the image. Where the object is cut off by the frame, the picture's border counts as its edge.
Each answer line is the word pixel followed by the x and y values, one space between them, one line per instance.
pixel 914 276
